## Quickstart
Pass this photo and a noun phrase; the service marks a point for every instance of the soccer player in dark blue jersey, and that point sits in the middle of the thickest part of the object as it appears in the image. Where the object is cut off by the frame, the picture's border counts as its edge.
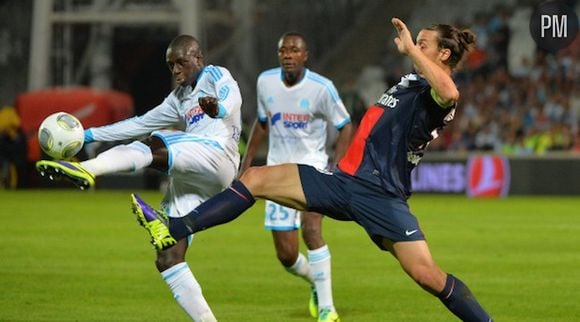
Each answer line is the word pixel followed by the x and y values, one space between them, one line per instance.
pixel 372 183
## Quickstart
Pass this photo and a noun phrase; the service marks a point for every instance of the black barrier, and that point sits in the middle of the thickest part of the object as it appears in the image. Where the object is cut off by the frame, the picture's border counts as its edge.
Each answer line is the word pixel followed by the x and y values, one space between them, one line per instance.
pixel 486 175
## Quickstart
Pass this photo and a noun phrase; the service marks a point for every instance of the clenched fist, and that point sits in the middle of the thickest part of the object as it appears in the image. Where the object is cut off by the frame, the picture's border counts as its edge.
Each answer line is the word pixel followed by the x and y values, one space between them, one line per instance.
pixel 209 105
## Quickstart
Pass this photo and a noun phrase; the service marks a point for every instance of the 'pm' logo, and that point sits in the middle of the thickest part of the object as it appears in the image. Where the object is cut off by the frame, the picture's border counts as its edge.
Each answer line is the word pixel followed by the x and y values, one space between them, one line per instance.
pixel 556 24
pixel 553 25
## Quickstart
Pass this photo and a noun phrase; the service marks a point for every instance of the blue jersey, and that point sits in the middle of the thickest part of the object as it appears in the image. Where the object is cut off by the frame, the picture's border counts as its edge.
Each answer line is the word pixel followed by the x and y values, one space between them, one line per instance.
pixel 393 135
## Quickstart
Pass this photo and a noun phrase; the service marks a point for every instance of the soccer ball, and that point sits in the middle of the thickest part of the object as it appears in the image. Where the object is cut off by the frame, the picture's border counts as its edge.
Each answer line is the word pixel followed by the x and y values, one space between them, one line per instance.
pixel 61 136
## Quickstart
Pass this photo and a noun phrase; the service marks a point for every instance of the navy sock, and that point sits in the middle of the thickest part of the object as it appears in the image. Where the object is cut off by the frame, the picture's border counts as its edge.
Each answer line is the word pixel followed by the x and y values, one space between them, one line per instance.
pixel 459 300
pixel 219 209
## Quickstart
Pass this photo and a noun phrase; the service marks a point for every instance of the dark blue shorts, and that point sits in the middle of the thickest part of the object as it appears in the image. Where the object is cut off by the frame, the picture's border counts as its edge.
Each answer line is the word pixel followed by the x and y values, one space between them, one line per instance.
pixel 344 197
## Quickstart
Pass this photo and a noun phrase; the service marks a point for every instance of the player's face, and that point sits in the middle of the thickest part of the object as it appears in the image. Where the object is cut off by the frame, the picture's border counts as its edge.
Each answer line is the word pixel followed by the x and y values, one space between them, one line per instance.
pixel 427 43
pixel 292 54
pixel 185 63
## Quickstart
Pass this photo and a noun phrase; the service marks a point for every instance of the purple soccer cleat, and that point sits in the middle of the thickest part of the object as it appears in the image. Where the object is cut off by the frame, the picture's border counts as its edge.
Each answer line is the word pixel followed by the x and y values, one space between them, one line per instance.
pixel 155 222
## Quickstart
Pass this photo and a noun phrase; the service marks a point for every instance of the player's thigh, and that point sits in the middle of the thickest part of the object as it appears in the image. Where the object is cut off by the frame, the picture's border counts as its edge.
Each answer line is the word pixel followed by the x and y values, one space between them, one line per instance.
pixel 197 171
pixel 205 164
pixel 279 183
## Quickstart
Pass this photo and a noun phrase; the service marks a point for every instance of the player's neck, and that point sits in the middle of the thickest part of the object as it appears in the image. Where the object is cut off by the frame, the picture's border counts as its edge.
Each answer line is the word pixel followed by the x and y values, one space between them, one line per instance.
pixel 291 79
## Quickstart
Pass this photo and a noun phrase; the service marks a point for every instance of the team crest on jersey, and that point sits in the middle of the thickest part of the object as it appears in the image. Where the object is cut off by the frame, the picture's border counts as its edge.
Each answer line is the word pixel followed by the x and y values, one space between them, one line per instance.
pixel 194 115
pixel 290 120
pixel 414 157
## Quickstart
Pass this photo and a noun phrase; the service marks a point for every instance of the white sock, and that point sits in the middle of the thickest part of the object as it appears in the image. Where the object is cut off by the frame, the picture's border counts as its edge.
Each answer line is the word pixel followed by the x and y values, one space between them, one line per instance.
pixel 120 158
pixel 320 265
pixel 302 269
pixel 187 292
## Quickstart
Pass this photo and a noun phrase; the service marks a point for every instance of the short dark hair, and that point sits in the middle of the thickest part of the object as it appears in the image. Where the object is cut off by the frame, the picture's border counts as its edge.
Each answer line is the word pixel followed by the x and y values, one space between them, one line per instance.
pixel 295 34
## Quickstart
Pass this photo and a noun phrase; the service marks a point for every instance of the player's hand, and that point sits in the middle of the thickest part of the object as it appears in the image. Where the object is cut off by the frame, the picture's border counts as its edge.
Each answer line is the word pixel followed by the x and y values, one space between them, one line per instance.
pixel 404 40
pixel 209 105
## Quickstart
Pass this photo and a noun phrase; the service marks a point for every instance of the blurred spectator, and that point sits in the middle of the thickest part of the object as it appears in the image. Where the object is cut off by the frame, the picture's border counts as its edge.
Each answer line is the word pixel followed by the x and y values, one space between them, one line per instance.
pixel 12 149
pixel 371 84
pixel 355 105
pixel 499 31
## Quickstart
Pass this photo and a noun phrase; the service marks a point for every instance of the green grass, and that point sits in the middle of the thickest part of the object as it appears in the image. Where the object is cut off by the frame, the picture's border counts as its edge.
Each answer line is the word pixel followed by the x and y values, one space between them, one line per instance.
pixel 75 256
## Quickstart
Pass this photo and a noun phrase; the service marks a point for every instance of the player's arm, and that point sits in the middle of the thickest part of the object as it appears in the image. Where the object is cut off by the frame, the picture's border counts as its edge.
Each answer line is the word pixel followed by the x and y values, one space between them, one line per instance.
pixel 337 115
pixel 228 97
pixel 343 140
pixel 160 117
pixel 444 91
pixel 259 131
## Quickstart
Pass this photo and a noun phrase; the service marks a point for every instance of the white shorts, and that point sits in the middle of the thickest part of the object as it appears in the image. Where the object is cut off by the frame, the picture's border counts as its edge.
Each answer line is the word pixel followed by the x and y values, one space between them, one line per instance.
pixel 281 218
pixel 198 169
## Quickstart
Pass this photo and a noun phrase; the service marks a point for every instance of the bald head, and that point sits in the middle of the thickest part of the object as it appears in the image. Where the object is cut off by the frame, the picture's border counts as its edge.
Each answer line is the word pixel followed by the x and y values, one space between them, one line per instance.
pixel 186 43
pixel 184 59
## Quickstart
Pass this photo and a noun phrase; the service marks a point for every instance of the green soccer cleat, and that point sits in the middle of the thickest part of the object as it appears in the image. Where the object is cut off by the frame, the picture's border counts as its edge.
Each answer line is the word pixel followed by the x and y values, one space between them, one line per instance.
pixel 71 171
pixel 328 315
pixel 155 222
pixel 313 303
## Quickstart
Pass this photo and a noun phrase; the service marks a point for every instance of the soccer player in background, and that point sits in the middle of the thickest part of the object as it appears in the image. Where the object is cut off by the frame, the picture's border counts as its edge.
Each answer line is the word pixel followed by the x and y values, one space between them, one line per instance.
pixel 372 183
pixel 295 107
pixel 201 158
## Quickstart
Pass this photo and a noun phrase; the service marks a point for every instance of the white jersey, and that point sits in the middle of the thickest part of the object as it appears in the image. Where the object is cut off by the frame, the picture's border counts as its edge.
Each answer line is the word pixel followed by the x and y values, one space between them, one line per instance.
pixel 203 153
pixel 298 116
pixel 180 110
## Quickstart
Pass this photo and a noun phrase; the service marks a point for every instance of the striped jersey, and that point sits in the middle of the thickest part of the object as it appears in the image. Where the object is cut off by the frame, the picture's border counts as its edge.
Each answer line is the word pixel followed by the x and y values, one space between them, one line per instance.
pixel 180 110
pixel 298 116
pixel 393 135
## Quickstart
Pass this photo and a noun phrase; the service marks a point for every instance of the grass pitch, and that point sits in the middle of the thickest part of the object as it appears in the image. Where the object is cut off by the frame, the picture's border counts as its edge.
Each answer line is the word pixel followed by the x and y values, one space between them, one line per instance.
pixel 68 255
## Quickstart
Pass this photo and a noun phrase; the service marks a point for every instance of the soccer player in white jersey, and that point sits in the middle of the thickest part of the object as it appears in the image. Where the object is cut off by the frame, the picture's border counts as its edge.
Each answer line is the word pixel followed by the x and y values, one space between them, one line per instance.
pixel 201 157
pixel 295 106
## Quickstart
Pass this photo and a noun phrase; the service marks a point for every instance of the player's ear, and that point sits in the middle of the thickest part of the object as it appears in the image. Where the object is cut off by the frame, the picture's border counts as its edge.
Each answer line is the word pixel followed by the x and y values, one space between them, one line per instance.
pixel 306 55
pixel 444 54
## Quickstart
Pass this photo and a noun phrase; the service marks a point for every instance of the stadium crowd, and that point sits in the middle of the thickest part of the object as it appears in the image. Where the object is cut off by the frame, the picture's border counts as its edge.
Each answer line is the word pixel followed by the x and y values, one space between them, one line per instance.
pixel 514 102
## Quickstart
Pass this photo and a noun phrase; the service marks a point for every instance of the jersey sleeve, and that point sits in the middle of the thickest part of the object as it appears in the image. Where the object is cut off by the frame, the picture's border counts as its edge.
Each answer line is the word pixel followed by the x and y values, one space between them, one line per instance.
pixel 334 108
pixel 229 97
pixel 160 117
pixel 438 114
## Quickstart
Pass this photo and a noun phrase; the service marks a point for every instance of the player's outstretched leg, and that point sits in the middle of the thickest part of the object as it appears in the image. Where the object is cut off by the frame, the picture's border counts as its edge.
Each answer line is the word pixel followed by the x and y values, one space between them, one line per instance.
pixel 459 300
pixel 220 209
pixel 71 171
pixel 155 222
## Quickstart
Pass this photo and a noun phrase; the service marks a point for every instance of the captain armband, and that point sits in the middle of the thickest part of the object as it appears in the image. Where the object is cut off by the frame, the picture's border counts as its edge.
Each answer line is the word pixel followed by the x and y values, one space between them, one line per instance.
pixel 439 100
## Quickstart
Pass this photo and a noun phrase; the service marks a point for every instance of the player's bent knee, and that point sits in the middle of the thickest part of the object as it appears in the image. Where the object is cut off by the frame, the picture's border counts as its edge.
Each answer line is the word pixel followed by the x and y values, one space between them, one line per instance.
pixel 251 178
pixel 428 277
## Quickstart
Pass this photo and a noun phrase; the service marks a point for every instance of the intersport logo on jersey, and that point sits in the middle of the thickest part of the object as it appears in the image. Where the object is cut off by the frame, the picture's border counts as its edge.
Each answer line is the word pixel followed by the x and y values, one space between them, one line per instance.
pixel 194 115
pixel 488 176
pixel 291 120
